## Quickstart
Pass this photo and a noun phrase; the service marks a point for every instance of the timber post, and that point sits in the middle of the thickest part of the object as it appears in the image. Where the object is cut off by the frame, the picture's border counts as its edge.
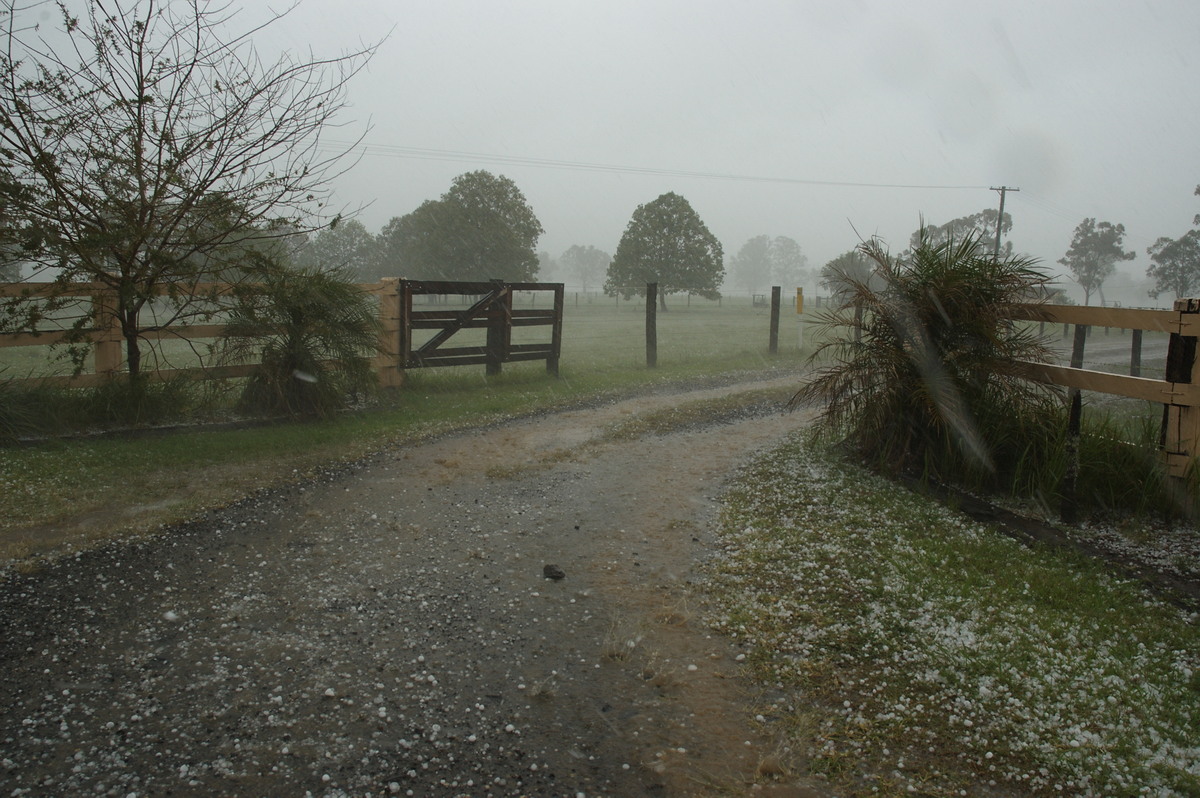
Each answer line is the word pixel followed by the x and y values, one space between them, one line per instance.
pixel 107 344
pixel 556 330
pixel 651 325
pixel 1181 422
pixel 1135 354
pixel 776 299
pixel 1070 497
pixel 389 364
pixel 499 329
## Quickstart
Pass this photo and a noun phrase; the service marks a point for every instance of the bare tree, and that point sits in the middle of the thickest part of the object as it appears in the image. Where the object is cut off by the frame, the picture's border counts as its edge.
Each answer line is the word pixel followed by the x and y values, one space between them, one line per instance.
pixel 151 145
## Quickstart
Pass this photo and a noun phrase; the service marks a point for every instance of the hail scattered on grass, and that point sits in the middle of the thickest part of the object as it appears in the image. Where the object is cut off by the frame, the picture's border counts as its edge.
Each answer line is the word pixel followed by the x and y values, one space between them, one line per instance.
pixel 944 655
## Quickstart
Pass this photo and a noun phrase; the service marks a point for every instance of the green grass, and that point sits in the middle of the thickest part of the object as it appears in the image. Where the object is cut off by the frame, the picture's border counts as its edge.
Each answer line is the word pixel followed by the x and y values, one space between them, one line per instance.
pixel 184 471
pixel 909 650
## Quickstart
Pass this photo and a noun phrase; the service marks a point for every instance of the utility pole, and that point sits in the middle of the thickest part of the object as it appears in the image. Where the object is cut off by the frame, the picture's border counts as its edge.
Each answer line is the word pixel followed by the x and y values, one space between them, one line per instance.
pixel 1000 219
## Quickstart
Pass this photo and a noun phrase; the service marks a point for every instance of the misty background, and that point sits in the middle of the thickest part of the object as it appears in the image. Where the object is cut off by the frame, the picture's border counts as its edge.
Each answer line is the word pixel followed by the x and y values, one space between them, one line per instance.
pixel 823 121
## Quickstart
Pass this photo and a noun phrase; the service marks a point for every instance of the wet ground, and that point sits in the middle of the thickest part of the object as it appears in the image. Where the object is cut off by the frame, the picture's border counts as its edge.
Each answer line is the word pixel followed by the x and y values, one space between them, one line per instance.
pixel 390 629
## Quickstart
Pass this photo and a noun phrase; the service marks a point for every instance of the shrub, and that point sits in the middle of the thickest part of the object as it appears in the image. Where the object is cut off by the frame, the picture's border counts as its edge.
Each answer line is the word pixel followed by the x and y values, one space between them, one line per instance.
pixel 32 410
pixel 922 369
pixel 314 332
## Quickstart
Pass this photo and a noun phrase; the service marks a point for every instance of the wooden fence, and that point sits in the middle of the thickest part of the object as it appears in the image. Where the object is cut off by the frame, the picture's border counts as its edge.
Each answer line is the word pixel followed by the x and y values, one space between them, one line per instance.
pixel 1180 398
pixel 396 315
pixel 492 311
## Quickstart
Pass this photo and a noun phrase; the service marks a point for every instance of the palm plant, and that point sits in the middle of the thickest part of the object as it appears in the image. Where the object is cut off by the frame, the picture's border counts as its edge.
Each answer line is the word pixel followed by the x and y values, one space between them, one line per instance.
pixel 922 359
pixel 314 332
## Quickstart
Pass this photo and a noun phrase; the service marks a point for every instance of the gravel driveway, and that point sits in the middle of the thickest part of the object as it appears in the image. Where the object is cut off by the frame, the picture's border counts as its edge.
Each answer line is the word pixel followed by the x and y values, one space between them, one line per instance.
pixel 388 629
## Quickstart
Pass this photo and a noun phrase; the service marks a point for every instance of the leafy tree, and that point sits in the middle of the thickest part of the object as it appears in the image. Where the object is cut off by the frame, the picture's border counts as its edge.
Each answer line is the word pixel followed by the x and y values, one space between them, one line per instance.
pixel 11 249
pixel 314 333
pixel 765 261
pixel 348 245
pixel 587 264
pixel 547 266
pixel 789 265
pixel 981 226
pixel 482 228
pixel 1175 265
pixel 152 146
pixel 751 266
pixel 843 274
pixel 667 243
pixel 10 255
pixel 412 244
pixel 925 379
pixel 1093 255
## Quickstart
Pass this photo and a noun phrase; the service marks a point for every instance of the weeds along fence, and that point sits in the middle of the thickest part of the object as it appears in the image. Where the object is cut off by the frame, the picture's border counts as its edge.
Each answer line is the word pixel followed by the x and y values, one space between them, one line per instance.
pixel 1176 392
pixel 185 350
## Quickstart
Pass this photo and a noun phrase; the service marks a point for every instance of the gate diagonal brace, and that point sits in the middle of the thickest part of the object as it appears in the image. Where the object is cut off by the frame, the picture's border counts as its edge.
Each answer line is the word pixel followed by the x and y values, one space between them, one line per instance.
pixel 480 307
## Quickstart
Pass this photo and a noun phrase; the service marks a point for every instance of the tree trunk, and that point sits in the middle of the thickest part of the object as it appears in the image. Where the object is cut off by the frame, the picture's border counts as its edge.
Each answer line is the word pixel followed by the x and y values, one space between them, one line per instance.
pixel 662 300
pixel 128 318
pixel 133 353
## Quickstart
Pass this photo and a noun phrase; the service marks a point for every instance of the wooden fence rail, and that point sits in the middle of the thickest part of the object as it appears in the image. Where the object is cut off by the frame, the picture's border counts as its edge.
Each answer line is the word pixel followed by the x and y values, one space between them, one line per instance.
pixel 1180 439
pixel 396 315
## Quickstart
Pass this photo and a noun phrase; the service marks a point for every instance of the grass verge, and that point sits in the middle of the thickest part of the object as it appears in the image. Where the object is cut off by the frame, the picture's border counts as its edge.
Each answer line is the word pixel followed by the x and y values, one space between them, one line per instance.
pixel 904 649
pixel 92 488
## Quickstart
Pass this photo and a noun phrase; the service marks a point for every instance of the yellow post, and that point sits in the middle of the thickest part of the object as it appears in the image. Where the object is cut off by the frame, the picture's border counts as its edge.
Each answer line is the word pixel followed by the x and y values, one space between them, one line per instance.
pixel 799 315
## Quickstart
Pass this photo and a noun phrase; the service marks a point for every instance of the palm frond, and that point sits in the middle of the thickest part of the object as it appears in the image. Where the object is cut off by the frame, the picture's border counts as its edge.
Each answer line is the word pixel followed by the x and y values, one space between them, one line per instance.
pixel 921 358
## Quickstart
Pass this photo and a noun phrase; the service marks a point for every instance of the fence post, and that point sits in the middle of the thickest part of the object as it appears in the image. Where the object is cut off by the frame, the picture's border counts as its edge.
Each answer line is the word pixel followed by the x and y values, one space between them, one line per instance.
pixel 776 293
pixel 1070 498
pixel 651 325
pixel 1181 423
pixel 107 344
pixel 556 330
pixel 499 330
pixel 389 365
pixel 1135 355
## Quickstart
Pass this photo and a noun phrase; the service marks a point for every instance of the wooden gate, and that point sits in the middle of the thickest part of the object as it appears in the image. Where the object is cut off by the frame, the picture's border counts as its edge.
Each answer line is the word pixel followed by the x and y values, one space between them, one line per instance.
pixel 492 310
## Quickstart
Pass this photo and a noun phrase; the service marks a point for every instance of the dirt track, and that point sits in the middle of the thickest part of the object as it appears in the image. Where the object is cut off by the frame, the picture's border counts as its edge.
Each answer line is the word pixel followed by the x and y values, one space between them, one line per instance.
pixel 389 630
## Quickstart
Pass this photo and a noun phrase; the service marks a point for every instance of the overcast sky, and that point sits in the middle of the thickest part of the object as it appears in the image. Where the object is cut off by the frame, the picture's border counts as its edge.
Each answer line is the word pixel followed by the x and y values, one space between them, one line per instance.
pixel 819 120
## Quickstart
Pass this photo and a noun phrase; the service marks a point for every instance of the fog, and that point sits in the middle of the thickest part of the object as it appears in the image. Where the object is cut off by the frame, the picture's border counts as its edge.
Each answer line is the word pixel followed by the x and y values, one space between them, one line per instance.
pixel 821 121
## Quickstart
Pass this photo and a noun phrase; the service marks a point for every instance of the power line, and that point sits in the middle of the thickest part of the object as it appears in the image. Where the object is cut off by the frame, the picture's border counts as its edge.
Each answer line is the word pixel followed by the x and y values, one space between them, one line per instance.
pixel 427 154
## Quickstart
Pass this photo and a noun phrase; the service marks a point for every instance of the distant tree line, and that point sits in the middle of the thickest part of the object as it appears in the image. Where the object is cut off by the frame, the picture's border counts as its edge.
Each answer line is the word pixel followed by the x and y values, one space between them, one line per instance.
pixel 483 228
pixel 1091 258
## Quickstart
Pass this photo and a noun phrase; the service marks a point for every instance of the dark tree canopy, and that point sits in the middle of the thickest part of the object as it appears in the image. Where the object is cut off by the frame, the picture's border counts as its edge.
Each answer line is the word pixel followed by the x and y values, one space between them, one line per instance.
pixel 1175 265
pixel 980 226
pixel 346 245
pixel 666 242
pixel 844 273
pixel 149 145
pixel 482 228
pixel 12 236
pixel 1093 255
